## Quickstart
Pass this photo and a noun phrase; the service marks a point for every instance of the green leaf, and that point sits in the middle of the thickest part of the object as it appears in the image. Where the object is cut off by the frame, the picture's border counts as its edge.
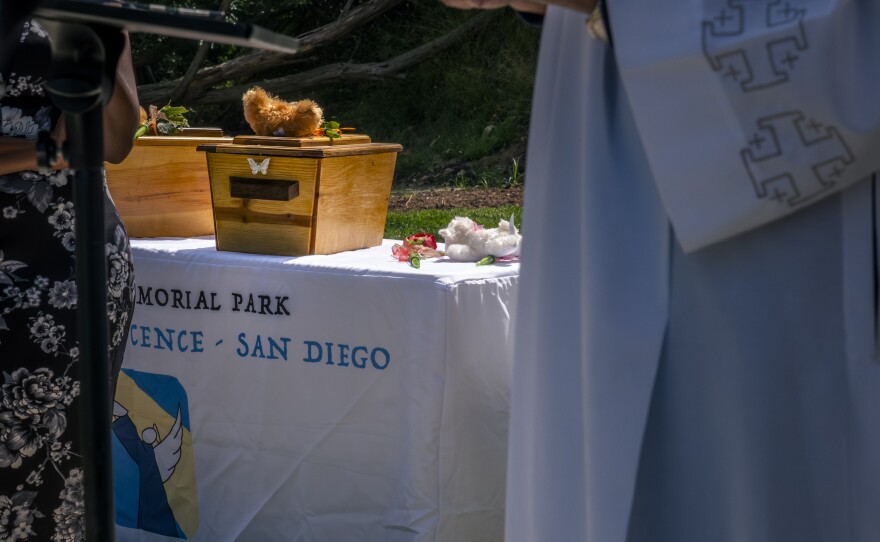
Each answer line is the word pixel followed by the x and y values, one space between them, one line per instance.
pixel 174 111
pixel 488 260
pixel 173 116
pixel 142 129
pixel 415 261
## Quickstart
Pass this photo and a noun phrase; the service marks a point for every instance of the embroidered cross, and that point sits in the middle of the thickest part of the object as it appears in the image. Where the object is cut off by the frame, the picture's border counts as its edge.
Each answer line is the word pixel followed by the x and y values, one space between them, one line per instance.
pixel 733 73
pixel 778 195
pixel 755 64
pixel 800 161
pixel 789 59
pixel 787 12
pixel 757 140
pixel 723 17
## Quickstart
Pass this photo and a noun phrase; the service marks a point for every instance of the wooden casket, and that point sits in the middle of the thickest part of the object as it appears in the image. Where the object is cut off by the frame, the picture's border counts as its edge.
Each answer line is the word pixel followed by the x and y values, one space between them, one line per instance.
pixel 162 189
pixel 294 196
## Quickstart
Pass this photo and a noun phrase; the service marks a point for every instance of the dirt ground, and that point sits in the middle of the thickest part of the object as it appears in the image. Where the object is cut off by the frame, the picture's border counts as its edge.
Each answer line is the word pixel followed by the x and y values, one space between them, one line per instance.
pixel 450 198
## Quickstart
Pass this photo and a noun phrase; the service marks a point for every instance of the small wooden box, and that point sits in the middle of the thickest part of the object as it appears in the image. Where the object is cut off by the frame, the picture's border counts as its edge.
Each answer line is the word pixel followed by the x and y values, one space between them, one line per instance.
pixel 162 189
pixel 296 196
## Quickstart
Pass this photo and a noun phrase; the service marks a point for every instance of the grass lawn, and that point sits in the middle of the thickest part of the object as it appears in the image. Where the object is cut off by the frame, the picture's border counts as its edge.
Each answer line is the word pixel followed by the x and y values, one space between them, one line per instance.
pixel 400 224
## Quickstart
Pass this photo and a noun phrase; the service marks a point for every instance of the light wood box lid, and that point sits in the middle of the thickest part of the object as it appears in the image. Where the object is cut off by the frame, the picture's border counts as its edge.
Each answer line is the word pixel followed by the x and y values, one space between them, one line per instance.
pixel 307 141
pixel 302 147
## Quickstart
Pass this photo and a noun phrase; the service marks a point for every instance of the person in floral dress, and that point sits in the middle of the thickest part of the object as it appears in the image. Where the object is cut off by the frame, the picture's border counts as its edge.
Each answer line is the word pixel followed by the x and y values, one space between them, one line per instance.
pixel 41 480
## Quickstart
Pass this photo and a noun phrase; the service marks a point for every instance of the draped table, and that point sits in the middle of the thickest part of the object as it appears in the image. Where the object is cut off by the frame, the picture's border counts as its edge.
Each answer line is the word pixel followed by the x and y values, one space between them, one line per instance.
pixel 337 398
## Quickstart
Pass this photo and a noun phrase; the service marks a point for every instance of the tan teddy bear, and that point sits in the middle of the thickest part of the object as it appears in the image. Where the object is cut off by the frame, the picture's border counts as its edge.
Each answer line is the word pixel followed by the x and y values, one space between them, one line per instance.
pixel 268 115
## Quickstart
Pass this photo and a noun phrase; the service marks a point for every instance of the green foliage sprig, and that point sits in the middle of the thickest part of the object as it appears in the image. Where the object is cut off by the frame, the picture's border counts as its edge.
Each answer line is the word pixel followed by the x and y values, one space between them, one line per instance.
pixel 166 121
pixel 331 129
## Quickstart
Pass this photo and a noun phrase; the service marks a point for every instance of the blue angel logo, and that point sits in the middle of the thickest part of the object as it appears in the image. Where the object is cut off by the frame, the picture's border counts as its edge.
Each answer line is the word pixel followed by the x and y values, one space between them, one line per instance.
pixel 153 464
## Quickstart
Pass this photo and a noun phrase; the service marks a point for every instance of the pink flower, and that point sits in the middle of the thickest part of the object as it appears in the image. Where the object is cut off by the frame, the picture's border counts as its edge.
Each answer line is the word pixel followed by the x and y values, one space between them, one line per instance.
pixel 422 245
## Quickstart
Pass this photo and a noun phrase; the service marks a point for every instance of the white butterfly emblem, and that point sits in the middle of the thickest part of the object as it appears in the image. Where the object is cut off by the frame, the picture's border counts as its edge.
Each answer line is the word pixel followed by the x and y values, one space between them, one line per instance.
pixel 262 167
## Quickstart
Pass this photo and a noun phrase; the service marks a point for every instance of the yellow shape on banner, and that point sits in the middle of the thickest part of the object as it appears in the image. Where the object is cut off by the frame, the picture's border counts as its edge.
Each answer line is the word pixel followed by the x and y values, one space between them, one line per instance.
pixel 180 488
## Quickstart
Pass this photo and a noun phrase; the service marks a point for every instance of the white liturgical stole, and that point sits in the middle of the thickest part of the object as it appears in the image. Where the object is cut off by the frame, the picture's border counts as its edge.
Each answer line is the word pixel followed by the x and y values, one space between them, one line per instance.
pixel 750 110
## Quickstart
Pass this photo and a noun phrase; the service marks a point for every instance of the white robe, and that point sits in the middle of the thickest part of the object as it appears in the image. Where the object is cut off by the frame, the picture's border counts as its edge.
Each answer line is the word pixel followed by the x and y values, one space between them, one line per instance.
pixel 723 395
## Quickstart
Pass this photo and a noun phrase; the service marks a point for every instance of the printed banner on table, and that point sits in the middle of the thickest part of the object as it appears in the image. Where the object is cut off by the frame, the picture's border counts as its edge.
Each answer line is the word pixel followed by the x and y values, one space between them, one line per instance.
pixel 154 471
pixel 323 400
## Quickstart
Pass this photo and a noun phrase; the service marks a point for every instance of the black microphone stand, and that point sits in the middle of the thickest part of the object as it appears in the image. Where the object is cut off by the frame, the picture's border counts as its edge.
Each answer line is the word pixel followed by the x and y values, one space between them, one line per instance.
pixel 87 40
pixel 84 61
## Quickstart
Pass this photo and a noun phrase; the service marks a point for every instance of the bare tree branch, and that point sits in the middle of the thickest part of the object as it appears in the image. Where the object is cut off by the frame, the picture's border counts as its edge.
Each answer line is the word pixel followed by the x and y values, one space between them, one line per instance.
pixel 190 74
pixel 346 7
pixel 343 71
pixel 251 63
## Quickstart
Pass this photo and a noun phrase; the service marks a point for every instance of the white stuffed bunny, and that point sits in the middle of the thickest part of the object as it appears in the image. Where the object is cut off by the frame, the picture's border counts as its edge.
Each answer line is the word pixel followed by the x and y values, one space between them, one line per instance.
pixel 467 241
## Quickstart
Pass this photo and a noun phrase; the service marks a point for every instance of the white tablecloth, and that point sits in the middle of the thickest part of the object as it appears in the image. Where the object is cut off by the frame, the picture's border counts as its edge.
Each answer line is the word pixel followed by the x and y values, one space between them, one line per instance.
pixel 323 398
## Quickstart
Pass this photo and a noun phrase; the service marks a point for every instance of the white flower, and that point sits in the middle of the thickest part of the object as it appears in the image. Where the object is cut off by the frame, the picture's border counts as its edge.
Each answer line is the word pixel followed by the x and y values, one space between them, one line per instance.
pixel 35 478
pixel 33 297
pixel 36 28
pixel 62 218
pixel 42 325
pixel 63 294
pixel 41 282
pixel 11 291
pixel 69 241
pixel 118 336
pixel 17 125
pixel 46 333
pixel 10 212
pixel 59 178
pixel 70 515
pixel 57 332
pixel 58 452
pixel 118 271
pixel 49 345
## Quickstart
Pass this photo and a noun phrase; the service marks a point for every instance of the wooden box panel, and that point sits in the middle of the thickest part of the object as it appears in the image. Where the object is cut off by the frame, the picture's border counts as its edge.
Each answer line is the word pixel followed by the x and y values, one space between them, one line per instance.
pixel 161 189
pixel 342 200
pixel 263 226
pixel 352 202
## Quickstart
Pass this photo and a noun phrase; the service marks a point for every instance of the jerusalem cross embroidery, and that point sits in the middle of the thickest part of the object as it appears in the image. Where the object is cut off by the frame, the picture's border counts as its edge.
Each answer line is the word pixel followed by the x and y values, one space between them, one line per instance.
pixel 791 159
pixel 755 64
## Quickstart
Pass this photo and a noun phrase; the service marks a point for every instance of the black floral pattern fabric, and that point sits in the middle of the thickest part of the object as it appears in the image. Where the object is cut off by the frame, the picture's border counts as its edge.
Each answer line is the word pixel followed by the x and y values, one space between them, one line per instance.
pixel 41 483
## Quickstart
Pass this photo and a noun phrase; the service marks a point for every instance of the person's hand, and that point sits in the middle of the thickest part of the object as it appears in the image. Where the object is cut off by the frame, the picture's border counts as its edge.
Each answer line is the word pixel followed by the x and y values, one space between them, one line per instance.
pixel 59 134
pixel 533 6
pixel 524 6
pixel 122 112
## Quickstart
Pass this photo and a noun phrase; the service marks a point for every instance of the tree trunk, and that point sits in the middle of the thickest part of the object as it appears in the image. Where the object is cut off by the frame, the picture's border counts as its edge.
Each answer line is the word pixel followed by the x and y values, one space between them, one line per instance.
pixel 248 64
pixel 335 73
